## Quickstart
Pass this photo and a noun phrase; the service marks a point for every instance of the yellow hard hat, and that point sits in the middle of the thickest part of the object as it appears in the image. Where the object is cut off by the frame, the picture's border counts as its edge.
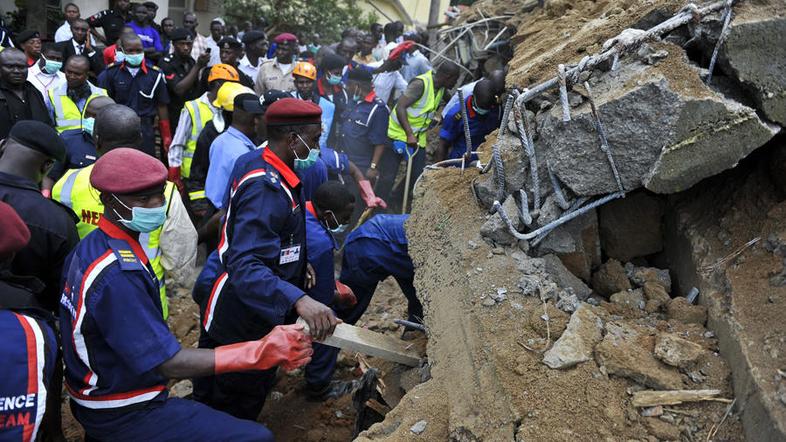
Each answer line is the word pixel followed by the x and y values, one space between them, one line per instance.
pixel 305 69
pixel 225 98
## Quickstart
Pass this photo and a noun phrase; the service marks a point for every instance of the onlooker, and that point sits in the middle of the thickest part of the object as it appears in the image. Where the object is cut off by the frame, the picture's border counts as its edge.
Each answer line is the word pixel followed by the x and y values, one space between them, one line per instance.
pixel 152 10
pixel 255 43
pixel 30 43
pixel 46 74
pixel 19 99
pixel 80 45
pixel 199 47
pixel 167 26
pixel 111 21
pixel 63 33
pixel 151 41
pixel 216 34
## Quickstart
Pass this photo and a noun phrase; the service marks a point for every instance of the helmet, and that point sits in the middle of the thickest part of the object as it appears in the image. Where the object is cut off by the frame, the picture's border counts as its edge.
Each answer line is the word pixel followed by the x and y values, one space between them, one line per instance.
pixel 223 72
pixel 225 98
pixel 305 69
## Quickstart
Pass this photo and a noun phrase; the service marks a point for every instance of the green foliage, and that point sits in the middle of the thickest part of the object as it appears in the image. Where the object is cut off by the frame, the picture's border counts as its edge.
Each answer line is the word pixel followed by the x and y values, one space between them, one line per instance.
pixel 325 17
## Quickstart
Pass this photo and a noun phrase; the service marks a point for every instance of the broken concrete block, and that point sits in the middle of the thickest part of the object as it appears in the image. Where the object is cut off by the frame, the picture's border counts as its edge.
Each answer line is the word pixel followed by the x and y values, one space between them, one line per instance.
pixel 564 278
pixel 745 58
pixel 676 351
pixel 629 298
pixel 681 310
pixel 661 429
pixel 631 227
pixel 558 320
pixel 419 427
pixel 640 276
pixel 575 345
pixel 485 189
pixel 666 129
pixel 610 278
pixel 576 243
pixel 495 230
pixel 657 297
pixel 623 355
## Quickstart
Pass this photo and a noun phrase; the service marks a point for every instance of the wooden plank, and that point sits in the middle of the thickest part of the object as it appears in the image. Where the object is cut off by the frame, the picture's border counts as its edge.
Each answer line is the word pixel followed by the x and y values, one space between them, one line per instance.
pixel 361 340
pixel 651 398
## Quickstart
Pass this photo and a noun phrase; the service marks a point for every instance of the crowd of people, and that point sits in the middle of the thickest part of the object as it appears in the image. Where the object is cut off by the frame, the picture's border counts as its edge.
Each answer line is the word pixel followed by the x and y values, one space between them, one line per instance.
pixel 126 150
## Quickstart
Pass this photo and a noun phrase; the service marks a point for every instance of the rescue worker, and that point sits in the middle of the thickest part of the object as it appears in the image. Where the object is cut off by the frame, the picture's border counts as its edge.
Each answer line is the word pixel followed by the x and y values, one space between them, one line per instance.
pixel 69 101
pixel 230 51
pixel 327 215
pixel 305 75
pixel 29 385
pixel 172 247
pixel 330 87
pixel 376 250
pixel 277 73
pixel 112 21
pixel 497 78
pixel 182 72
pixel 234 142
pixel 483 116
pixel 257 277
pixel 119 353
pixel 46 74
pixel 255 46
pixel 411 118
pixel 27 154
pixel 141 87
pixel 19 99
pixel 29 42
pixel 194 116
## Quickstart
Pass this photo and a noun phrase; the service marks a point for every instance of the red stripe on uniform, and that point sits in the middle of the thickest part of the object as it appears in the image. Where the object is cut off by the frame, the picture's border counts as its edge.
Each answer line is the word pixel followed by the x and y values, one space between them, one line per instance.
pixel 89 270
pixel 32 370
pixel 114 396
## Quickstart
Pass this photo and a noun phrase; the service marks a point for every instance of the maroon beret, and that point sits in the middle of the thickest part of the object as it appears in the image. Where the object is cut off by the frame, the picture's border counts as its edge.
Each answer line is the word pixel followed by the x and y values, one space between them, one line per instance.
pixel 285 37
pixel 15 232
pixel 125 171
pixel 293 112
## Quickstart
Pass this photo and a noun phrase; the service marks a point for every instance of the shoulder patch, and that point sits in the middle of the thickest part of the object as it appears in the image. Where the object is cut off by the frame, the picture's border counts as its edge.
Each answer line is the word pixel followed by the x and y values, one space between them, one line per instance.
pixel 125 256
pixel 272 179
pixel 457 117
pixel 155 68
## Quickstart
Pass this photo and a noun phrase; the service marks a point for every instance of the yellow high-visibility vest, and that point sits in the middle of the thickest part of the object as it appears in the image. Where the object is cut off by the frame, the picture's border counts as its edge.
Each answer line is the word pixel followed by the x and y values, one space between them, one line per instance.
pixel 67 114
pixel 420 114
pixel 200 113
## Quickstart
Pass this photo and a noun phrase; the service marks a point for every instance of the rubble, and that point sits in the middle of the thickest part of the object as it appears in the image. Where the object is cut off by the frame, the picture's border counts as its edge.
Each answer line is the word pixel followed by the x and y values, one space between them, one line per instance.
pixel 629 298
pixel 681 310
pixel 676 351
pixel 576 343
pixel 610 278
pixel 564 278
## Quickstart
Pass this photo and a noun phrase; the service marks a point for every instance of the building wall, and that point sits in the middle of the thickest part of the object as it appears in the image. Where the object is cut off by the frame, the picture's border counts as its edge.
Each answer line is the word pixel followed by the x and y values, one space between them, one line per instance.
pixel 206 10
pixel 416 9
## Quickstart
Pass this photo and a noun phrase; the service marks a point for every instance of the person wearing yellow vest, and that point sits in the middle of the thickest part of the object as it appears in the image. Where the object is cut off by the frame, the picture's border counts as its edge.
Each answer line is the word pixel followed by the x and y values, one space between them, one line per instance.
pixel 193 118
pixel 68 101
pixel 412 117
pixel 172 248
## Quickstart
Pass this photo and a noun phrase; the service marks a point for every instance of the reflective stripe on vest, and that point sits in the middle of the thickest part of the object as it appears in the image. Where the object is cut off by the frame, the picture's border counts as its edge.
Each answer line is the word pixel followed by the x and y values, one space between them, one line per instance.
pixel 74 191
pixel 200 114
pixel 420 114
pixel 67 114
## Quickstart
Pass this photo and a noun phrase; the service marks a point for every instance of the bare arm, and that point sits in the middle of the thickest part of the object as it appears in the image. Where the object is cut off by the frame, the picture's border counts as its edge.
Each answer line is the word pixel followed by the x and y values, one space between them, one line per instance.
pixel 192 77
pixel 189 363
pixel 442 150
pixel 163 112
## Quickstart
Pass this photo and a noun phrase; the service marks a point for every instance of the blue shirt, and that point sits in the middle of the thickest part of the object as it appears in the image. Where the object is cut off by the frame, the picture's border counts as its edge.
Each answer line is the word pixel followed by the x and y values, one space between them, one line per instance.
pixel 226 148
pixel 80 152
pixel 114 334
pixel 148 35
pixel 142 93
pixel 321 246
pixel 330 164
pixel 452 129
pixel 252 281
pixel 328 109
pixel 416 64
pixel 364 126
pixel 386 228
pixel 28 346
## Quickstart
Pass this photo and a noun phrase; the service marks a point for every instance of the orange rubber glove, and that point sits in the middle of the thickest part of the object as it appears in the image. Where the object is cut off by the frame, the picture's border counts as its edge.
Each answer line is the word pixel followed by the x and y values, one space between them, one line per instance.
pixel 345 297
pixel 174 176
pixel 166 134
pixel 367 193
pixel 286 345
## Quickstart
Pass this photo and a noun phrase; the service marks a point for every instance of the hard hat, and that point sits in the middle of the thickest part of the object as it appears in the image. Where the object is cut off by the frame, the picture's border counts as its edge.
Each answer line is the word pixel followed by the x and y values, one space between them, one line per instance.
pixel 223 72
pixel 305 69
pixel 225 98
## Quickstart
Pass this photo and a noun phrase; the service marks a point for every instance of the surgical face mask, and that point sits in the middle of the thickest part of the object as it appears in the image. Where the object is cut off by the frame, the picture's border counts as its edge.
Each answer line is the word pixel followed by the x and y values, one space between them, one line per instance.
pixel 143 219
pixel 120 56
pixel 51 66
pixel 135 60
pixel 340 227
pixel 313 154
pixel 334 80
pixel 313 49
pixel 88 124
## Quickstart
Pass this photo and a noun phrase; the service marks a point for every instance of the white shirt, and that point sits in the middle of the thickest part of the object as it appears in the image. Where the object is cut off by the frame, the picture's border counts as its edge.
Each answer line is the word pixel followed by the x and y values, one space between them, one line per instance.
pixel 215 52
pixel 386 82
pixel 81 51
pixel 43 81
pixel 63 33
pixel 245 66
pixel 468 89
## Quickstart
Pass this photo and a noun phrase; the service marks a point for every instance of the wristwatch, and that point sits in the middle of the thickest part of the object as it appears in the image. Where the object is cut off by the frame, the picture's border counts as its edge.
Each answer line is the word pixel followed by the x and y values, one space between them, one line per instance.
pixel 373 166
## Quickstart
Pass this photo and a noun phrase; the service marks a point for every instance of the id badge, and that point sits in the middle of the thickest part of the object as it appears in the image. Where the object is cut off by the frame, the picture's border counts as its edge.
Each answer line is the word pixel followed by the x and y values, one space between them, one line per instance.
pixel 290 254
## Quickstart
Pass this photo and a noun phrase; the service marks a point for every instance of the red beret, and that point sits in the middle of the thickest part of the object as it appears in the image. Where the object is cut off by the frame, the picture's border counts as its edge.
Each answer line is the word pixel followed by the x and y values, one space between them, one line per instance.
pixel 285 37
pixel 15 232
pixel 125 171
pixel 400 49
pixel 291 111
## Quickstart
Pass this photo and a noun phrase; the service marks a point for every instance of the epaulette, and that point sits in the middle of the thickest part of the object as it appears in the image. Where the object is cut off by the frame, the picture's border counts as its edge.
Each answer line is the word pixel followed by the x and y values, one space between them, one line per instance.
pixel 111 65
pixel 457 117
pixel 155 68
pixel 272 178
pixel 125 256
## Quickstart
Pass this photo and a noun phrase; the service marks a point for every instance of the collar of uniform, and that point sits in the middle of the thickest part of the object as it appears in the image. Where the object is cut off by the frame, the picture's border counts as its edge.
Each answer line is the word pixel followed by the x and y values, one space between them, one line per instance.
pixel 370 97
pixel 17 181
pixel 142 66
pixel 115 232
pixel 232 131
pixel 287 173
pixel 311 209
pixel 321 89
pixel 470 111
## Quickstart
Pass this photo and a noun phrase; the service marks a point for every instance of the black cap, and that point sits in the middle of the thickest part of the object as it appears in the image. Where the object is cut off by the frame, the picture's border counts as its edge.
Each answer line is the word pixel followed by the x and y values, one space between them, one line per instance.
pixel 39 136
pixel 360 74
pixel 229 43
pixel 180 34
pixel 333 61
pixel 249 103
pixel 271 96
pixel 150 5
pixel 252 36
pixel 23 36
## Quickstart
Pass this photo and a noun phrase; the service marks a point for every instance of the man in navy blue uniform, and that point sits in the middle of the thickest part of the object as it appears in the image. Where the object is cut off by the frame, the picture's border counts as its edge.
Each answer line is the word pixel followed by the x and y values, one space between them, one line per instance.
pixel 142 87
pixel 29 391
pixel 118 351
pixel 374 251
pixel 483 114
pixel 258 276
